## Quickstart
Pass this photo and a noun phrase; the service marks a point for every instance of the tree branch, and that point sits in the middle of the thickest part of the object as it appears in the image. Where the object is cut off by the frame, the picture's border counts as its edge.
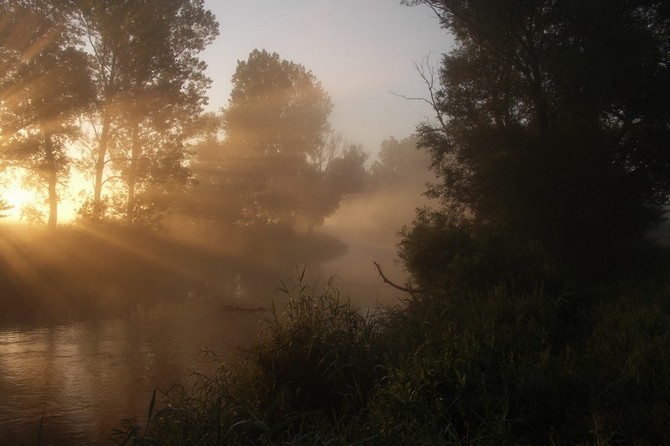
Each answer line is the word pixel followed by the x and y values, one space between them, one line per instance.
pixel 412 292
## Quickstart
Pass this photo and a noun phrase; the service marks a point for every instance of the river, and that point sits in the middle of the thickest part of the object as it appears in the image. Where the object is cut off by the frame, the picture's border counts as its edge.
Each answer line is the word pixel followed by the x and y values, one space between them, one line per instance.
pixel 75 381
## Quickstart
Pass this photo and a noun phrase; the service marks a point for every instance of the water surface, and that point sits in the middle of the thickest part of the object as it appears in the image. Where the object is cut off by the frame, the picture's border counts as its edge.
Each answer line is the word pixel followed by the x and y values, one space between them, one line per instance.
pixel 85 376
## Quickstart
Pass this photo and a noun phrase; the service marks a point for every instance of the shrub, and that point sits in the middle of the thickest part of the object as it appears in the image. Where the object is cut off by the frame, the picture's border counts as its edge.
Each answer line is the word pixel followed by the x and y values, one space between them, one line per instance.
pixel 307 381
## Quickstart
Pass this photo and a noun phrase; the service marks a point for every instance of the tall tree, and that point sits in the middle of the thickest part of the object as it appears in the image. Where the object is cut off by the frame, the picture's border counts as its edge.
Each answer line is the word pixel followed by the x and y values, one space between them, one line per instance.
pixel 553 119
pixel 275 122
pixel 150 84
pixel 45 84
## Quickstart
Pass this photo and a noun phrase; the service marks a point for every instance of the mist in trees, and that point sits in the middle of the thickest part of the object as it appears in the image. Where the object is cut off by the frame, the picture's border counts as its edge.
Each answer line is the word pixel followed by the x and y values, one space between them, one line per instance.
pixel 150 88
pixel 536 310
pixel 111 95
pixel 279 162
pixel 46 85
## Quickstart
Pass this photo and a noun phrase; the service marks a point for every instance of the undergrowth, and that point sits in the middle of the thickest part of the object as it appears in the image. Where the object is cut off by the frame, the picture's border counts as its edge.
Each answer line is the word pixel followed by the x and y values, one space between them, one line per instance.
pixel 587 365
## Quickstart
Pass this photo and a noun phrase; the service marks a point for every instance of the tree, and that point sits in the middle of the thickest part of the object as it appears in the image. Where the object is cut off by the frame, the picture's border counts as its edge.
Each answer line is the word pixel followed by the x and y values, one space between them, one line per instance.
pixel 275 123
pixel 151 88
pixel 552 120
pixel 400 164
pixel 45 85
pixel 343 174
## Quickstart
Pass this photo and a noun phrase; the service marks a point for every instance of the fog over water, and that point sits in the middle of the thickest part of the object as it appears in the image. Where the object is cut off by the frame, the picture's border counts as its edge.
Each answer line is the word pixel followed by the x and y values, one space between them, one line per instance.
pixel 103 316
pixel 370 225
pixel 200 188
pixel 146 217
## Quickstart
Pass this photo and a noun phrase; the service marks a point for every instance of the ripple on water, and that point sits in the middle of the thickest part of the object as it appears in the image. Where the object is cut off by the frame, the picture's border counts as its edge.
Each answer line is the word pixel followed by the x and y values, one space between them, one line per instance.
pixel 86 376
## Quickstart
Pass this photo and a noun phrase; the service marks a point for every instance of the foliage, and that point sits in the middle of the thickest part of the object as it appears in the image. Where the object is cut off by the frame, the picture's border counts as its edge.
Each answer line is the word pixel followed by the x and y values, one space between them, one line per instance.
pixel 45 85
pixel 150 85
pixel 448 255
pixel 543 131
pixel 276 137
pixel 307 381
pixel 400 162
pixel 468 366
pixel 4 207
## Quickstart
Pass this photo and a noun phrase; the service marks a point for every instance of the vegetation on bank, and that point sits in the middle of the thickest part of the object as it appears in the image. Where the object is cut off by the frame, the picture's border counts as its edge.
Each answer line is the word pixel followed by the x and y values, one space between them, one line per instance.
pixel 515 362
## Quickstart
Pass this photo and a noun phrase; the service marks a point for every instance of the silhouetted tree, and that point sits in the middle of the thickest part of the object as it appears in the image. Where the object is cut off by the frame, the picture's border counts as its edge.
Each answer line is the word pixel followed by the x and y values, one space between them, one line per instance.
pixel 151 88
pixel 4 207
pixel 45 84
pixel 552 120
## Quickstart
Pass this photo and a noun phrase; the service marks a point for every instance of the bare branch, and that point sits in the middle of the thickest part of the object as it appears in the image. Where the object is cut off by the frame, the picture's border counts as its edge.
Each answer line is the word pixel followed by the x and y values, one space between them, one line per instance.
pixel 428 75
pixel 412 292
pixel 410 98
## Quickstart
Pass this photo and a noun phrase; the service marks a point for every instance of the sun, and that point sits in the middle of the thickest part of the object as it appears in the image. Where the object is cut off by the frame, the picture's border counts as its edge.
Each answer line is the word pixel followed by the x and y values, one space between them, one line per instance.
pixel 19 197
pixel 16 198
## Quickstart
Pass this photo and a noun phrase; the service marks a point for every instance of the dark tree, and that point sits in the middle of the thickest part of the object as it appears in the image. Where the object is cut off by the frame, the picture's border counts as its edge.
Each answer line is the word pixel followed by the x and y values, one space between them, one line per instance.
pixel 552 120
pixel 343 175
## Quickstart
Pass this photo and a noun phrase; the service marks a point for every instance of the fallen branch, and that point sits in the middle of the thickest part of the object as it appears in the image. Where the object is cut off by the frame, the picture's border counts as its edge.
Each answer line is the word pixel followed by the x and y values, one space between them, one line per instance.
pixel 412 292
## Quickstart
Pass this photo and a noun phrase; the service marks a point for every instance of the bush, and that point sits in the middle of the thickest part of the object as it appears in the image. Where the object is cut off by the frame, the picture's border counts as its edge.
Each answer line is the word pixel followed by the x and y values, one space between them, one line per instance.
pixel 306 382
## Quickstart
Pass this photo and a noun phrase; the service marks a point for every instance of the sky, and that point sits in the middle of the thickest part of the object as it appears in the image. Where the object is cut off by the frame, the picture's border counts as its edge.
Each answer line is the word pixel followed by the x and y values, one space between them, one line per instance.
pixel 361 51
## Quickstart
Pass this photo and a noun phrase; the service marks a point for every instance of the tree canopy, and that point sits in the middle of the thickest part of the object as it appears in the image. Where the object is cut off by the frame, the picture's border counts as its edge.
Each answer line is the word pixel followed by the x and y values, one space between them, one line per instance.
pixel 45 85
pixel 552 120
pixel 276 130
pixel 151 88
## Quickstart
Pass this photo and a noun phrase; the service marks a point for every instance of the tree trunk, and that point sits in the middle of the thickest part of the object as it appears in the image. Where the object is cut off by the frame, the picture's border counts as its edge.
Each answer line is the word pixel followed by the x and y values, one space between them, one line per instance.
pixel 136 151
pixel 52 178
pixel 100 165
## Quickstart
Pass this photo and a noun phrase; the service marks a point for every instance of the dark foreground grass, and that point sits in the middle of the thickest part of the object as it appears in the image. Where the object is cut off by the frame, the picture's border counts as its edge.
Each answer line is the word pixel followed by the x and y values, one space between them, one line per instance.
pixel 588 365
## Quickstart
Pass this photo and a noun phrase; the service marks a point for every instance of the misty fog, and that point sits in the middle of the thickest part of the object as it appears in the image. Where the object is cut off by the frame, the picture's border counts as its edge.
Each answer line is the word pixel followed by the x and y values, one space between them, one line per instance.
pixel 180 265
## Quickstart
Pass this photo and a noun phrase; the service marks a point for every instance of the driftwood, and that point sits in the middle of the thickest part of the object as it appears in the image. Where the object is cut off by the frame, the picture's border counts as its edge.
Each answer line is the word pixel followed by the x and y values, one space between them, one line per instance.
pixel 231 308
pixel 406 289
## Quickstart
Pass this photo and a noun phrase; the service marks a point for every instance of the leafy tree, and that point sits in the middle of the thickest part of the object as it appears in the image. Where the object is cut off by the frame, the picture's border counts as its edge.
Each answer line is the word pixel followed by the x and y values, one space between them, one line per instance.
pixel 342 175
pixel 45 85
pixel 400 163
pixel 212 200
pixel 552 121
pixel 151 88
pixel 277 129
pixel 336 171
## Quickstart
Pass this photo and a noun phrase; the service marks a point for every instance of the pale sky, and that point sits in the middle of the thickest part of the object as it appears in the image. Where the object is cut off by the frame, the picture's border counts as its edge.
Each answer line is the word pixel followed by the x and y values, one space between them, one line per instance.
pixel 360 50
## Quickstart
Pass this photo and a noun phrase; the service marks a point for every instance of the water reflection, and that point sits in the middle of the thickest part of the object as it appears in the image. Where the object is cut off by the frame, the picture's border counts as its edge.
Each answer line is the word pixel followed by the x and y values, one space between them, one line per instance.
pixel 85 376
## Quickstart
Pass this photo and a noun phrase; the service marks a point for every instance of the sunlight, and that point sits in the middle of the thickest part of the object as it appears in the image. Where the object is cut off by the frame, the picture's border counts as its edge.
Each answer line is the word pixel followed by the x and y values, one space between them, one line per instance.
pixel 16 197
pixel 22 198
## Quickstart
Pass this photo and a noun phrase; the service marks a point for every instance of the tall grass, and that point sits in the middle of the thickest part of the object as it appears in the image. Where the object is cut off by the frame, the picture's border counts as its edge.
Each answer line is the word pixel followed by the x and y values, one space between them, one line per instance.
pixel 307 381
pixel 502 365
